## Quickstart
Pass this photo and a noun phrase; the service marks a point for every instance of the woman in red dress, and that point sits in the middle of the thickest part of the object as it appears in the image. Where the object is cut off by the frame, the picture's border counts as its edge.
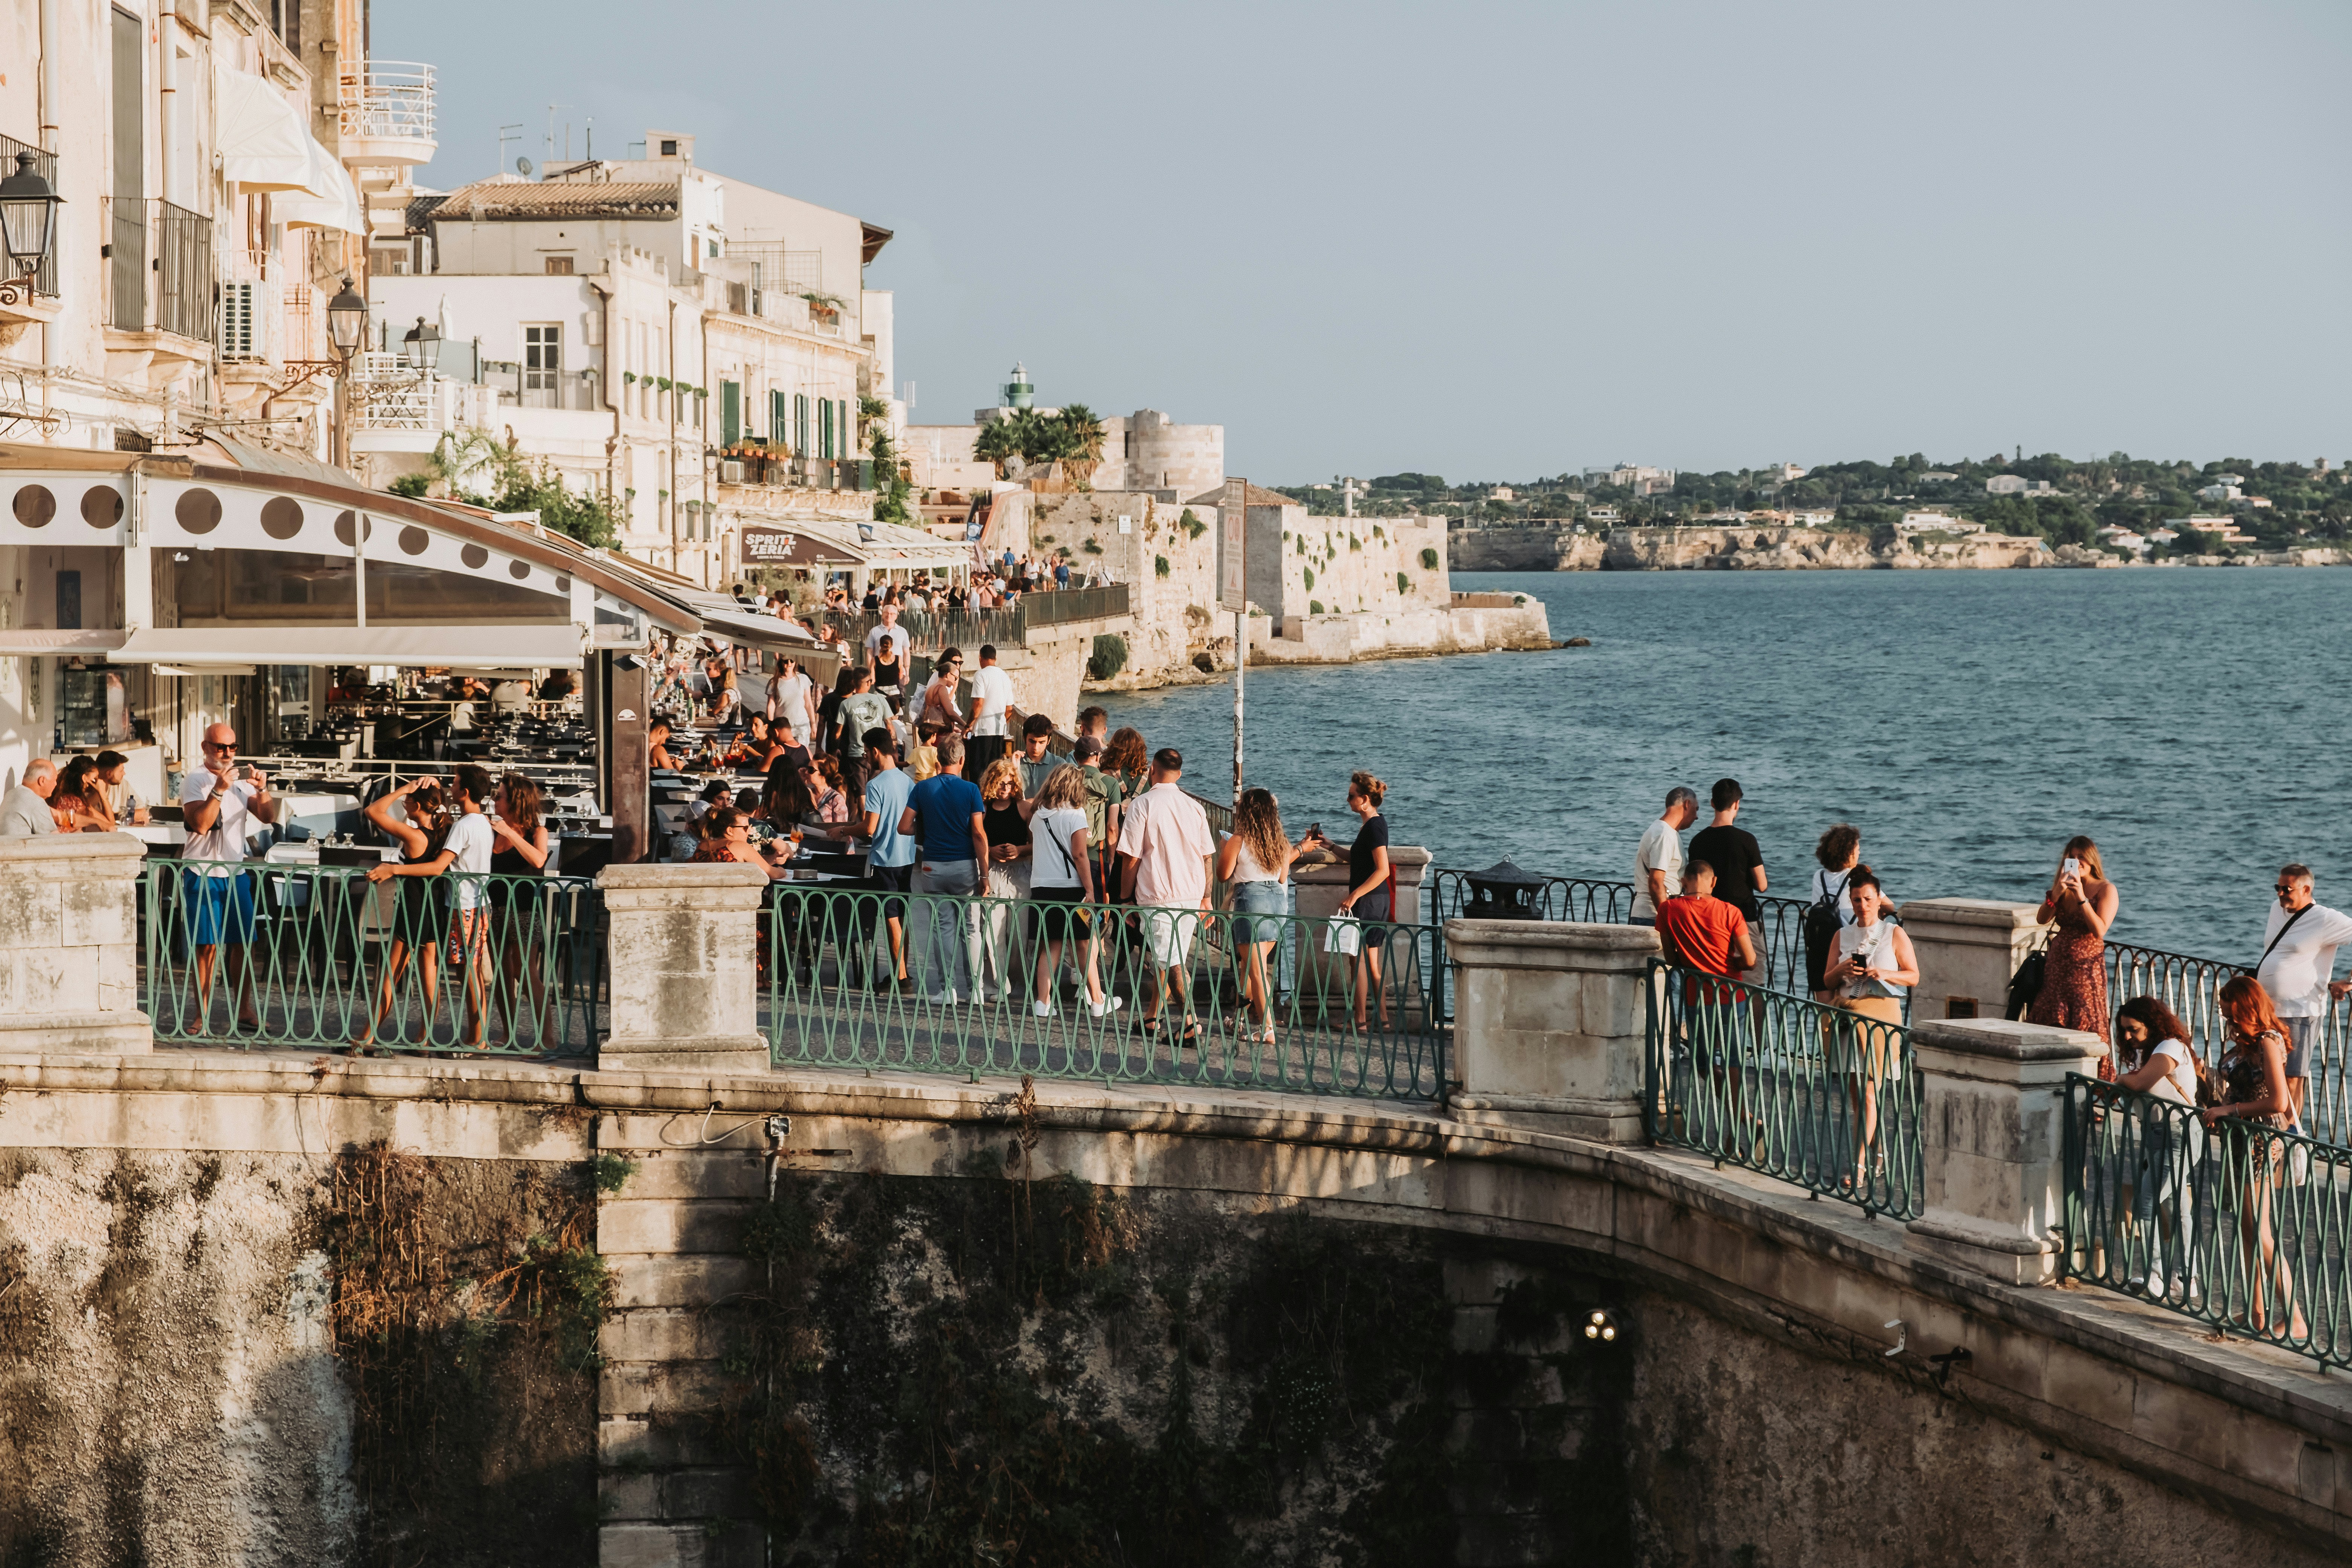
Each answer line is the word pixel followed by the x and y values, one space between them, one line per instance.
pixel 2074 992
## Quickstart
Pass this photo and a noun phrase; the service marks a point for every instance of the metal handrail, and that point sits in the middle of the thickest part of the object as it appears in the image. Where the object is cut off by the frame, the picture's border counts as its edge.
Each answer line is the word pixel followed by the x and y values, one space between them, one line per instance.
pixel 388 99
pixel 256 955
pixel 834 995
pixel 1818 1097
pixel 2240 1225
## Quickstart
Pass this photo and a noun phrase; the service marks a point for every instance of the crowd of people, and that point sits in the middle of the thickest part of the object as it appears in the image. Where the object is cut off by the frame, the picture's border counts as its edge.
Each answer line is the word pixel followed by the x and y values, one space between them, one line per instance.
pixel 1859 960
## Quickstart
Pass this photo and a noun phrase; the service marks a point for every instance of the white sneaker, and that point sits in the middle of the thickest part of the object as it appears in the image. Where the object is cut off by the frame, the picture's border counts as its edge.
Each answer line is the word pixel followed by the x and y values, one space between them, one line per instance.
pixel 1104 1009
pixel 944 998
pixel 1042 1009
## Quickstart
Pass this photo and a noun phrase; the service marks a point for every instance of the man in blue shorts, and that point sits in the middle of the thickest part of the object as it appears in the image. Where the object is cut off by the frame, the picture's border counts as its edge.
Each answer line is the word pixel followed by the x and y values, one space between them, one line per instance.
pixel 220 804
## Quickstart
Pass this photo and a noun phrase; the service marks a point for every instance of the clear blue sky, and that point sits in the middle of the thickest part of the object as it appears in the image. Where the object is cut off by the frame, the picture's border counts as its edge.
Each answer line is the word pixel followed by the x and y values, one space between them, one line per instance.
pixel 1503 240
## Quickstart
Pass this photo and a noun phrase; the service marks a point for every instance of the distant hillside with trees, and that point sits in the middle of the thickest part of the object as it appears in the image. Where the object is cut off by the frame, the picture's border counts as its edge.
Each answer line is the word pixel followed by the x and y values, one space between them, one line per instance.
pixel 2305 503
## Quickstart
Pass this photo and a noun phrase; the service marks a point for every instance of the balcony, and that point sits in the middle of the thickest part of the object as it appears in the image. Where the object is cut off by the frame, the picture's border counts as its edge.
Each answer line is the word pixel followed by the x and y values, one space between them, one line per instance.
pixel 158 302
pixel 386 113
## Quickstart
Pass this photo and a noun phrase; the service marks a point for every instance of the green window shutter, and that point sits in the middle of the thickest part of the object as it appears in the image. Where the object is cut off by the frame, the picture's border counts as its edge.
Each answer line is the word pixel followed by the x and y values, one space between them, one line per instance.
pixel 730 412
pixel 825 425
pixel 776 430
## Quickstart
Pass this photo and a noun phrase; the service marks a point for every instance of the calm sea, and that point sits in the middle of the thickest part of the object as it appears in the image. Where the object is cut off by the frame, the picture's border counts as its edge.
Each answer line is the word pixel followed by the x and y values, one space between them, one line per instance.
pixel 2194 723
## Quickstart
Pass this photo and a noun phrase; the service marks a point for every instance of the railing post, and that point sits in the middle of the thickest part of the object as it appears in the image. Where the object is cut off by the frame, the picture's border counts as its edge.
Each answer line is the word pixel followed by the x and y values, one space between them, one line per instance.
pixel 1967 948
pixel 1992 1139
pixel 69 944
pixel 1548 1024
pixel 683 968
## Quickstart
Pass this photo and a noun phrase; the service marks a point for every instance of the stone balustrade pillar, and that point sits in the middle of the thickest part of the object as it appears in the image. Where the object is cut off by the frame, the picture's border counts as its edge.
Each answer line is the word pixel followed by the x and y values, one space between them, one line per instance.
pixel 683 968
pixel 1992 1142
pixel 69 944
pixel 1967 948
pixel 1548 1024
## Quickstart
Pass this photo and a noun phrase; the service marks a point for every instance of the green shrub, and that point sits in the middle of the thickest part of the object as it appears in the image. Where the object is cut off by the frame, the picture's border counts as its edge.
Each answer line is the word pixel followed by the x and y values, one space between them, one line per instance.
pixel 1404 584
pixel 612 1172
pixel 1193 525
pixel 1159 567
pixel 1108 657
pixel 1354 543
pixel 1314 607
pixel 412 486
pixel 1309 572
pixel 1429 559
pixel 1091 548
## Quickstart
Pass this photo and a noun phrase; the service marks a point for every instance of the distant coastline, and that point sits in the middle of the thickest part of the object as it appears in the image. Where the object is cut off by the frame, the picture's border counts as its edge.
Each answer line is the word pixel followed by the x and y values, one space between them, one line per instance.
pixel 1561 547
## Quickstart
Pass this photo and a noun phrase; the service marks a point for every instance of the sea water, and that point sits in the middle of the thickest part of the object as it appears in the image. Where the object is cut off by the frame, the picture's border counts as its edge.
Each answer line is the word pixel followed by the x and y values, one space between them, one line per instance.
pixel 2193 721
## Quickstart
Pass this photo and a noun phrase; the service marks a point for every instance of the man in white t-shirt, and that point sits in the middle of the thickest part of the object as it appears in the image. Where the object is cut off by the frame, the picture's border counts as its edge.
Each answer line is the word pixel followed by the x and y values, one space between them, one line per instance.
pixel 219 810
pixel 2298 962
pixel 991 699
pixel 887 626
pixel 1658 863
pixel 791 701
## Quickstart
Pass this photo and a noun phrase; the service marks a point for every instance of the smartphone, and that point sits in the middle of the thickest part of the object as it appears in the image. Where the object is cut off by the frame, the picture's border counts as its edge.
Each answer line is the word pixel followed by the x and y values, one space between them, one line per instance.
pixel 1314 830
pixel 2070 867
pixel 245 769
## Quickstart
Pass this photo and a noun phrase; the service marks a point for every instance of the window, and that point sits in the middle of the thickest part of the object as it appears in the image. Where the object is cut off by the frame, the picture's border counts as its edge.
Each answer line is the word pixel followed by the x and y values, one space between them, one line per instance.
pixel 730 412
pixel 559 267
pixel 670 148
pixel 543 355
pixel 713 252
pixel 779 429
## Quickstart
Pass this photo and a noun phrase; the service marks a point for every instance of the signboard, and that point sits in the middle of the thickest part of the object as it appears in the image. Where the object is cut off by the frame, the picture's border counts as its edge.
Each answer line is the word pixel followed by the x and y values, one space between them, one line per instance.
pixel 775 547
pixel 1232 548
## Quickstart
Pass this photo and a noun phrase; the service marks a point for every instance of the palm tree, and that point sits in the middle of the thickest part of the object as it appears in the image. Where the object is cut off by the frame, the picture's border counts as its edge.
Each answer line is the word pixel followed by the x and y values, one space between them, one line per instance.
pixel 996 442
pixel 1083 434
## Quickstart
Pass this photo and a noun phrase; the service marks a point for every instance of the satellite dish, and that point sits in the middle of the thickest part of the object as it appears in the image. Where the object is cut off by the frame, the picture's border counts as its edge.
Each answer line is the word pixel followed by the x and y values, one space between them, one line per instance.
pixel 522 165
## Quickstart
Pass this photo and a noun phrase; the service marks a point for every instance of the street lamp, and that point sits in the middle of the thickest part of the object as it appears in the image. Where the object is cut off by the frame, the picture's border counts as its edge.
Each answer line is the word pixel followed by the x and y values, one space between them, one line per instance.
pixel 346 320
pixel 28 219
pixel 423 343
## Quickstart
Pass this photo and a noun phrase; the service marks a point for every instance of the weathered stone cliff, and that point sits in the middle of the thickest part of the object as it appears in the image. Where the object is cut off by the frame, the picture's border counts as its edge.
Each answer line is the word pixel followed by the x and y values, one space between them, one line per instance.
pixel 1556 547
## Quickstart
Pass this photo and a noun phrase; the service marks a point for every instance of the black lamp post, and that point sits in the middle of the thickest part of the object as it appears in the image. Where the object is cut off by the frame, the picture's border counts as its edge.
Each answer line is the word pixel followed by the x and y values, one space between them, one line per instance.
pixel 423 344
pixel 28 224
pixel 346 320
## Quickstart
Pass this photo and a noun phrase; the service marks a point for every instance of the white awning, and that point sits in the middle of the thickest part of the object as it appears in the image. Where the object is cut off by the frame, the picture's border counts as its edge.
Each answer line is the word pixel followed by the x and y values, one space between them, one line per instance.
pixel 761 631
pixel 34 640
pixel 265 147
pixel 522 648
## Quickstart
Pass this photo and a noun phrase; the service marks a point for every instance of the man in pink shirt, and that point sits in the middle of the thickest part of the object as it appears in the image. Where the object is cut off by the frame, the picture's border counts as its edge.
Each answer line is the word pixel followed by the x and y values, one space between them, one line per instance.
pixel 1164 839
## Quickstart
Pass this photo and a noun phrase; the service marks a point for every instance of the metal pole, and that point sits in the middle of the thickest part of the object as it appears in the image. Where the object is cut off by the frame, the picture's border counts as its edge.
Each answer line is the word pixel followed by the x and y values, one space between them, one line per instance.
pixel 1240 665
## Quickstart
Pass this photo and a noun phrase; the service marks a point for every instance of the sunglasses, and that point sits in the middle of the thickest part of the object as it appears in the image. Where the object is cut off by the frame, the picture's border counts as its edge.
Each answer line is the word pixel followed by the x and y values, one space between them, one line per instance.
pixel 230 747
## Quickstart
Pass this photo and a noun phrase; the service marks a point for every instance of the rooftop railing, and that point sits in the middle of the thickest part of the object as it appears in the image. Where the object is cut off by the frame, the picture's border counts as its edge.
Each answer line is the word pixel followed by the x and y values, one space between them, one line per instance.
pixel 389 99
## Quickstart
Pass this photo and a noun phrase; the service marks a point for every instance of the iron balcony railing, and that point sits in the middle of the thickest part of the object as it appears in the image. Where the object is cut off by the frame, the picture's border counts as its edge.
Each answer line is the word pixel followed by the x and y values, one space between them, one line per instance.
pixel 2237 1226
pixel 45 279
pixel 1818 1097
pixel 389 99
pixel 241 953
pixel 857 978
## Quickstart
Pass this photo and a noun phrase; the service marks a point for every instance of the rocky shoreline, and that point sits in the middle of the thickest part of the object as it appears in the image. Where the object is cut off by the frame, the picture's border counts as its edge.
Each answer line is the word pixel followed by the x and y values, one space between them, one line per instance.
pixel 1556 547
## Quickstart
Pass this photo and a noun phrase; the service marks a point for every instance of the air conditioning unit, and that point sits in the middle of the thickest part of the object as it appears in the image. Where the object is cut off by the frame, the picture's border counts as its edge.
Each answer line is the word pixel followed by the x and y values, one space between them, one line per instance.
pixel 240 321
pixel 730 472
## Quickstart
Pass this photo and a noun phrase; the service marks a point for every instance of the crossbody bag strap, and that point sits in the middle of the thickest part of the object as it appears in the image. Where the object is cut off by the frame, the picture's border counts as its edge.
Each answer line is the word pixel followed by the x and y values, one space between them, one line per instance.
pixel 2283 931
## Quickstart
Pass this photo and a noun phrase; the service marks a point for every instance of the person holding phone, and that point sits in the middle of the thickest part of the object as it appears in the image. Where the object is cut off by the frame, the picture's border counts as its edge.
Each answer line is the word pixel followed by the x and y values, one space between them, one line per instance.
pixel 2082 903
pixel 220 802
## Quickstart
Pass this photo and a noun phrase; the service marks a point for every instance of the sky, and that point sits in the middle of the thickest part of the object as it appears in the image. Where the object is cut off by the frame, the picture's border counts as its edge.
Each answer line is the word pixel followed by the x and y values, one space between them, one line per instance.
pixel 1504 241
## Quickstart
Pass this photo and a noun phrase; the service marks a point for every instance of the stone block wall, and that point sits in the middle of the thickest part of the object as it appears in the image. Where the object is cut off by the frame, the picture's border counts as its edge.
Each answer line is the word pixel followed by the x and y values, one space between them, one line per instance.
pixel 69 943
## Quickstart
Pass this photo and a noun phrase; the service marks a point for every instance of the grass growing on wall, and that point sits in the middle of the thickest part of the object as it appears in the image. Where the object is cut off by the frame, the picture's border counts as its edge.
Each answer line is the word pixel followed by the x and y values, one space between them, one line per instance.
pixel 1108 657
pixel 1194 527
pixel 1308 573
pixel 1314 607
pixel 1429 559
pixel 1159 567
pixel 1404 584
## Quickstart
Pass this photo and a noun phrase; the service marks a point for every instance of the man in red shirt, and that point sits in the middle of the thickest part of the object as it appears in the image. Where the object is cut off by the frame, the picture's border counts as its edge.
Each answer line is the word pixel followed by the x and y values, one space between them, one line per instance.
pixel 1706 933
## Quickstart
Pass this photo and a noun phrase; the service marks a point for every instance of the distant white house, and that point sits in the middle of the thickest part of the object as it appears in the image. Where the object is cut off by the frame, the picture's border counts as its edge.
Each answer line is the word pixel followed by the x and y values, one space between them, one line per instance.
pixel 1502 492
pixel 2128 539
pixel 1937 523
pixel 1937 476
pixel 1602 514
pixel 2018 485
pixel 2220 490
pixel 2162 535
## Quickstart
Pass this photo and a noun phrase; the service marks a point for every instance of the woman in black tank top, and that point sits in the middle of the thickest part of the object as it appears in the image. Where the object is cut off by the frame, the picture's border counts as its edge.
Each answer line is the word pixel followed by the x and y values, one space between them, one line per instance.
pixel 520 927
pixel 418 833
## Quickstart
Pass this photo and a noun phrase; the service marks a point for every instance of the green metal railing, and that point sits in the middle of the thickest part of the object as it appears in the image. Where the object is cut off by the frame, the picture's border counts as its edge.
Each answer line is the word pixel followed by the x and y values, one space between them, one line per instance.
pixel 1817 1096
pixel 2236 1225
pixel 1600 901
pixel 2191 987
pixel 246 954
pixel 1209 998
